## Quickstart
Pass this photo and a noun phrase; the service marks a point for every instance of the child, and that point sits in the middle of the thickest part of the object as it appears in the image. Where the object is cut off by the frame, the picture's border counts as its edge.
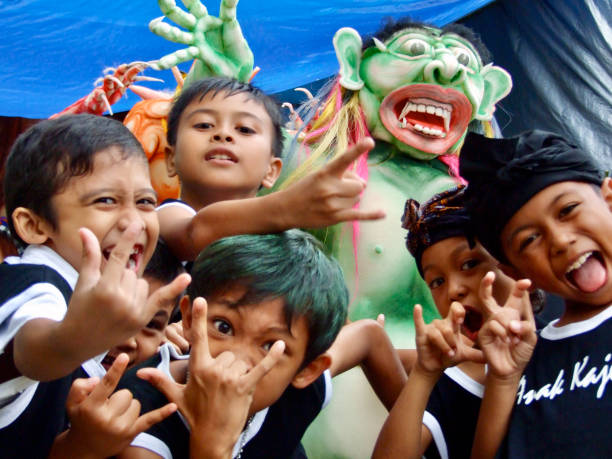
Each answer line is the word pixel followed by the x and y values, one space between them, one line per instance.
pixel 78 194
pixel 438 393
pixel 161 270
pixel 261 290
pixel 540 205
pixel 225 142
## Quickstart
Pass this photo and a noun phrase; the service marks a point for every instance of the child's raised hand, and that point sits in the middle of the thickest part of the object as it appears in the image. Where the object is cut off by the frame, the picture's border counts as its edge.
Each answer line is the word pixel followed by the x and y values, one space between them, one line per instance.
pixel 174 335
pixel 103 423
pixel 440 344
pixel 109 305
pixel 328 196
pixel 507 338
pixel 219 390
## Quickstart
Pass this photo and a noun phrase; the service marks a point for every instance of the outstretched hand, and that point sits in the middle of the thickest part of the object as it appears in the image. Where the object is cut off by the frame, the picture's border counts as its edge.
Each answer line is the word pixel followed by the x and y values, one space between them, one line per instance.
pixel 110 304
pixel 328 195
pixel 216 399
pixel 440 344
pixel 507 337
pixel 103 423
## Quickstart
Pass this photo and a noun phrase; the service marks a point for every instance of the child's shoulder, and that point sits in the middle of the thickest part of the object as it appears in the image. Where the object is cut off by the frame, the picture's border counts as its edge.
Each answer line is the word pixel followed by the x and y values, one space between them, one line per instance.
pixel 175 204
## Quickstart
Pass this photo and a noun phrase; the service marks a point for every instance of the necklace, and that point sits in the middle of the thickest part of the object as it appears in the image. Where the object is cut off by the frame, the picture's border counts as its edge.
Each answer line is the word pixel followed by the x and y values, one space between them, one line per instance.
pixel 243 437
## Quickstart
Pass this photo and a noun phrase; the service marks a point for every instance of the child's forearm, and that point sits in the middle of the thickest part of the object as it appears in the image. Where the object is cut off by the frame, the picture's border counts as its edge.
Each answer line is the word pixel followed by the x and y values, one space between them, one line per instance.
pixel 494 416
pixel 43 350
pixel 401 433
pixel 64 446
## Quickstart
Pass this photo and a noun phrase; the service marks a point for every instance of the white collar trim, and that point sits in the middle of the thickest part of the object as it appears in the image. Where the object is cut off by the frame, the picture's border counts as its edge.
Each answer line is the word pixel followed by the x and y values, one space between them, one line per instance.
pixel 43 255
pixel 576 328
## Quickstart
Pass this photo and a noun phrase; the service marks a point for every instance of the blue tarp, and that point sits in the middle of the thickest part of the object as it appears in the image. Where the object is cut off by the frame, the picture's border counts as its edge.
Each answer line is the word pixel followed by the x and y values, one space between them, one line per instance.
pixel 52 52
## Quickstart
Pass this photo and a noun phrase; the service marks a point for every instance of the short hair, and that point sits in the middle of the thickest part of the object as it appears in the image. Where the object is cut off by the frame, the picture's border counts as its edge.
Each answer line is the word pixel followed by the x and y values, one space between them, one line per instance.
pixel 228 87
pixel 47 155
pixel 291 265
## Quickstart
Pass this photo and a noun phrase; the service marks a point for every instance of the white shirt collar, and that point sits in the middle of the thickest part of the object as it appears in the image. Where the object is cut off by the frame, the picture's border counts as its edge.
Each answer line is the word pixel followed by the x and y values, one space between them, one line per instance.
pixel 576 328
pixel 43 255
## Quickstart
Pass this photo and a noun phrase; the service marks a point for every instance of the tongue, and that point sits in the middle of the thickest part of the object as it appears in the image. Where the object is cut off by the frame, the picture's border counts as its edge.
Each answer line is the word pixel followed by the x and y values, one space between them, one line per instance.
pixel 590 276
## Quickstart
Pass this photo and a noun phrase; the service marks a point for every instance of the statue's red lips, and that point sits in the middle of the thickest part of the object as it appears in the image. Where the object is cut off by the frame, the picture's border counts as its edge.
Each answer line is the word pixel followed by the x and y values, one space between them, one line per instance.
pixel 427 117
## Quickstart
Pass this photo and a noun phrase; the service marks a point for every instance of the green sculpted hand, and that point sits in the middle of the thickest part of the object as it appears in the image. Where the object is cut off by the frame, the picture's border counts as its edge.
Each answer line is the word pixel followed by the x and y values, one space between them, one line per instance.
pixel 216 44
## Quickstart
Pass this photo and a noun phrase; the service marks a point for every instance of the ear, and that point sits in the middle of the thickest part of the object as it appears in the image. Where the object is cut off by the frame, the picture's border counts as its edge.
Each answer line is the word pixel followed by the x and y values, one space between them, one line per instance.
pixel 497 85
pixel 170 161
pixel 185 305
pixel 30 227
pixel 347 44
pixel 606 191
pixel 274 170
pixel 312 371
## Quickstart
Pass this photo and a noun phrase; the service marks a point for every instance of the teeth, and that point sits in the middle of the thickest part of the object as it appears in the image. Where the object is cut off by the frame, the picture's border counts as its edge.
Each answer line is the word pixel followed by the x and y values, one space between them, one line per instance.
pixel 443 113
pixel 579 262
pixel 131 264
pixel 226 157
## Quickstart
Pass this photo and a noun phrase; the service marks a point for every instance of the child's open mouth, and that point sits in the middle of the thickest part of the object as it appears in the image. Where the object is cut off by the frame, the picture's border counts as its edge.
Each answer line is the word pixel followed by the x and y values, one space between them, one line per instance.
pixel 588 273
pixel 221 155
pixel 471 323
pixel 108 360
pixel 133 262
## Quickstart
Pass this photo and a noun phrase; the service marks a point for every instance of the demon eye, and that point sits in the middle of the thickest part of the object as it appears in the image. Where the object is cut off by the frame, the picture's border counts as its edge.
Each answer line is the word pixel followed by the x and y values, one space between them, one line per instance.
pixel 463 58
pixel 414 47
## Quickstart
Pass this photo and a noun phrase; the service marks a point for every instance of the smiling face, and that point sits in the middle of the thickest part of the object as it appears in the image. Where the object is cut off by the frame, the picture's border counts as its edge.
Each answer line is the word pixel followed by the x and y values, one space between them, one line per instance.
pixel 249 331
pixel 560 239
pixel 223 147
pixel 116 193
pixel 453 272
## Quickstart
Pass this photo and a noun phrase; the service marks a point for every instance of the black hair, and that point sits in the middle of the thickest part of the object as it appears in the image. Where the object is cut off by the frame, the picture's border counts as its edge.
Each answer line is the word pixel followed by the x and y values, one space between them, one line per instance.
pixel 391 26
pixel 46 156
pixel 165 267
pixel 290 265
pixel 228 87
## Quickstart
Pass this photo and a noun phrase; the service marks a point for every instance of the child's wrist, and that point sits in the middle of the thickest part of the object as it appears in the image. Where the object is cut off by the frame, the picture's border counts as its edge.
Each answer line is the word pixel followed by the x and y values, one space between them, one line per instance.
pixel 431 376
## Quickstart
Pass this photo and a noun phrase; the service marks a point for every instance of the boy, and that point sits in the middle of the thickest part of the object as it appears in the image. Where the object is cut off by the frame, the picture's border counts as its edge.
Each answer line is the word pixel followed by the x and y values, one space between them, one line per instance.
pixel 540 205
pixel 225 142
pixel 261 290
pixel 78 194
pixel 446 383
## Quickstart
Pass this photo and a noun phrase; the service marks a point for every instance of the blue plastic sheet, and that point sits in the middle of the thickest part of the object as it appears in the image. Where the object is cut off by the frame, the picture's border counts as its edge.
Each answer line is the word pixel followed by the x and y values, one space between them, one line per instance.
pixel 52 52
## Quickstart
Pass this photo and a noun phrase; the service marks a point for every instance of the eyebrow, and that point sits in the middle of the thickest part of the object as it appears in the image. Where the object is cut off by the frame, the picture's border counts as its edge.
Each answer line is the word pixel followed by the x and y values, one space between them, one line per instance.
pixel 91 194
pixel 460 248
pixel 208 111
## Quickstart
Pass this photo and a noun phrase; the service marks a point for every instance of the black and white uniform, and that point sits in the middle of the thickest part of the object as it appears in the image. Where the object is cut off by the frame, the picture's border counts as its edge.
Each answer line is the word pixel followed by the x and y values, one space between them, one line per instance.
pixel 36 285
pixel 451 415
pixel 563 405
pixel 274 432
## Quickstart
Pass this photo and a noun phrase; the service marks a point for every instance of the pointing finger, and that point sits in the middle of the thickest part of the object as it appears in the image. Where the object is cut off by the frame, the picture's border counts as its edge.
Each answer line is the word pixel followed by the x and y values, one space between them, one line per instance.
pixel 199 332
pixel 120 254
pixel 167 293
pixel 111 378
pixel 338 165
pixel 90 261
pixel 485 292
pixel 265 365
pixel 151 418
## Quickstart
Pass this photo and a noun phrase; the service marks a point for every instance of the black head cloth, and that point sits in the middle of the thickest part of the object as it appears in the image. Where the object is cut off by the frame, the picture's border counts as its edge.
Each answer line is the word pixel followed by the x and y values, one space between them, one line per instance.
pixel 441 217
pixel 503 174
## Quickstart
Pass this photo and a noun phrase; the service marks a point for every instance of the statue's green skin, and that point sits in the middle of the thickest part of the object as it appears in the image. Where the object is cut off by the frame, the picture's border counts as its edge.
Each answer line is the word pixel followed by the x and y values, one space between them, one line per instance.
pixel 387 280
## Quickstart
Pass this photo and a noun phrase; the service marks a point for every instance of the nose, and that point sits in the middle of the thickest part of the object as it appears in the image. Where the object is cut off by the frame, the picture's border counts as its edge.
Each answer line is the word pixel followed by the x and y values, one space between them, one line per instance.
pixel 457 290
pixel 444 69
pixel 223 134
pixel 129 215
pixel 128 345
pixel 560 240
pixel 245 354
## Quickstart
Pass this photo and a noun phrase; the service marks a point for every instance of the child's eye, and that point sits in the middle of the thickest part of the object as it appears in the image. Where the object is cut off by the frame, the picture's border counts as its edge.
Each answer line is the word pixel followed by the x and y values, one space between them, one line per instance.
pixel 105 200
pixel 147 202
pixel 246 130
pixel 527 241
pixel 202 126
pixel 437 282
pixel 567 210
pixel 157 325
pixel 223 327
pixel 470 264
pixel 267 346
